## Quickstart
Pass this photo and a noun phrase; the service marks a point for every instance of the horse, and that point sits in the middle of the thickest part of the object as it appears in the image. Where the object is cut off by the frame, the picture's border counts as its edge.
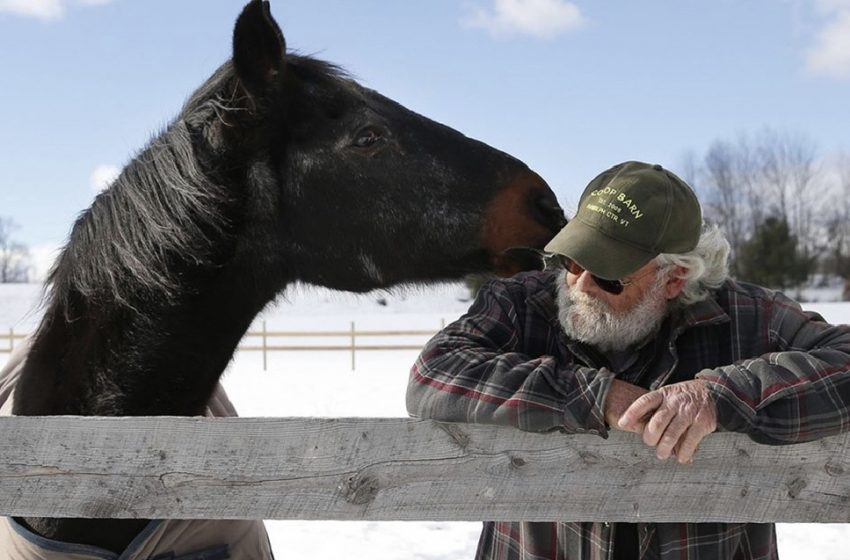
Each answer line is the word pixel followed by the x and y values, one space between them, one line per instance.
pixel 280 168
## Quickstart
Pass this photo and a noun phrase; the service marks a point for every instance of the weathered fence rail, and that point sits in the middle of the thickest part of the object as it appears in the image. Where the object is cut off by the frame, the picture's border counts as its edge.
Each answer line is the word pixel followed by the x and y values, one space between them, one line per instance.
pixel 401 469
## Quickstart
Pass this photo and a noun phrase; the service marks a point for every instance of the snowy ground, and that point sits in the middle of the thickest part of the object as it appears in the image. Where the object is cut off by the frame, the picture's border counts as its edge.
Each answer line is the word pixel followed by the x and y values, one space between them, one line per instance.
pixel 322 384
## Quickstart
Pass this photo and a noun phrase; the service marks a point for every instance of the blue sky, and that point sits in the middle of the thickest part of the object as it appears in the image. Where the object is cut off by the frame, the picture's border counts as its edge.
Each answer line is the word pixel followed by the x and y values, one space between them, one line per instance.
pixel 569 87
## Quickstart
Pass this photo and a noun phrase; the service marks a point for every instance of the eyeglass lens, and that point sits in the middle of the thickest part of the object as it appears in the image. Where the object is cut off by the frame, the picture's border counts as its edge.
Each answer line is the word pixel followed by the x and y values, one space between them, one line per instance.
pixel 614 287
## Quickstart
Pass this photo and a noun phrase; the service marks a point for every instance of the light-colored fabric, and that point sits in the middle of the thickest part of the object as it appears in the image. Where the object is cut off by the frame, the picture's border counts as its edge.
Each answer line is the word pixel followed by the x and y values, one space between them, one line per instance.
pixel 184 539
pixel 170 539
pixel 9 376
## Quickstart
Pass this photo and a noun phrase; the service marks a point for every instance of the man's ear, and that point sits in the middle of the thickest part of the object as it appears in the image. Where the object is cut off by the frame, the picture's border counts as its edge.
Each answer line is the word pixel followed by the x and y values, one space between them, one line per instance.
pixel 676 282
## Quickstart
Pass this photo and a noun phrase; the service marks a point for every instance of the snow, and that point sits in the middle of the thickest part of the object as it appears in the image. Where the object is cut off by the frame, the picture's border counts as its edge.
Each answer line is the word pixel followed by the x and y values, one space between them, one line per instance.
pixel 323 384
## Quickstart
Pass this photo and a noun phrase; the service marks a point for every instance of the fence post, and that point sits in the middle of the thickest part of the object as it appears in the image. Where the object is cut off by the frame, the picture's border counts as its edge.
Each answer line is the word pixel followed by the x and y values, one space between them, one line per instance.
pixel 352 345
pixel 264 345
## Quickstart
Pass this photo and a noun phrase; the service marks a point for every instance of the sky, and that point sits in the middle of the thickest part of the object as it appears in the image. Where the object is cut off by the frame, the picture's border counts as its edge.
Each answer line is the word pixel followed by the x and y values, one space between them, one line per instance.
pixel 569 87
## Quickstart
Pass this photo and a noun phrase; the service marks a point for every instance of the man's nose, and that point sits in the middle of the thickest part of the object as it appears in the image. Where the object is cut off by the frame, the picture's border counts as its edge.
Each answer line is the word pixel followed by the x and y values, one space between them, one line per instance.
pixel 585 283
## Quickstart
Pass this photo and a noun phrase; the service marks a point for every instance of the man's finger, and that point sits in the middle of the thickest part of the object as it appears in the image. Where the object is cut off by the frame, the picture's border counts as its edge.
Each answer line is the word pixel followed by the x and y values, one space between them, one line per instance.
pixel 633 417
pixel 675 429
pixel 658 425
pixel 689 444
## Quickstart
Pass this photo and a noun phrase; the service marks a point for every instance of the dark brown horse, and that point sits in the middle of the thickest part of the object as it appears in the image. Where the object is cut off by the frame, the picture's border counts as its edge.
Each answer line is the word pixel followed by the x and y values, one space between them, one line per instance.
pixel 278 169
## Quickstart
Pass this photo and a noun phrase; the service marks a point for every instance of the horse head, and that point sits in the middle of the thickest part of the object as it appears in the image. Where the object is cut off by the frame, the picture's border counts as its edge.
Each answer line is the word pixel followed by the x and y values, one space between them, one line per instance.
pixel 360 192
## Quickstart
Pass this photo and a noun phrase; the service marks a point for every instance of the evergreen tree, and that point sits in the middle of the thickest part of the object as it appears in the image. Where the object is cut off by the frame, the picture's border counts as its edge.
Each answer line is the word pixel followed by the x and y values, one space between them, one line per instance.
pixel 772 257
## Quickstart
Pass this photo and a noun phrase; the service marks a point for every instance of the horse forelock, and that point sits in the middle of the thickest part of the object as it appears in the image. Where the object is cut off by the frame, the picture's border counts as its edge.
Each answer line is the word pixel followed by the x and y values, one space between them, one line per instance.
pixel 214 99
pixel 221 93
pixel 316 70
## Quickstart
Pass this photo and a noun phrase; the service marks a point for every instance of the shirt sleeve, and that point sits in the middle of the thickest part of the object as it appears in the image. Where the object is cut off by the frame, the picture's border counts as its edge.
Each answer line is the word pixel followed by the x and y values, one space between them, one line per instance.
pixel 475 370
pixel 801 392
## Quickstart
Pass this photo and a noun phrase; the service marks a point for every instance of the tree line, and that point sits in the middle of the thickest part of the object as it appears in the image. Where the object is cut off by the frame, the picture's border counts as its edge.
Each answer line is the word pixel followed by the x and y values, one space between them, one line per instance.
pixel 14 256
pixel 785 210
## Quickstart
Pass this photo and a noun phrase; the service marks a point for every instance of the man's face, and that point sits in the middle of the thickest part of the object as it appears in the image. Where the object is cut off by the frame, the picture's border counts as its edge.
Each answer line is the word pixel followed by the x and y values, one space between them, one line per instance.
pixel 615 322
pixel 638 284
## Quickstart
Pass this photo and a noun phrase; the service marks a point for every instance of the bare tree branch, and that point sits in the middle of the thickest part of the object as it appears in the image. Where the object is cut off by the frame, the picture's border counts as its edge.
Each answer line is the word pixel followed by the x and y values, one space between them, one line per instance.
pixel 14 256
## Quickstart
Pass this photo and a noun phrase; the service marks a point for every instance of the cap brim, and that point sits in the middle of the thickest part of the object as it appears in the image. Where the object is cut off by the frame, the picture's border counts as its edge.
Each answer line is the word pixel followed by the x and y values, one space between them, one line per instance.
pixel 596 252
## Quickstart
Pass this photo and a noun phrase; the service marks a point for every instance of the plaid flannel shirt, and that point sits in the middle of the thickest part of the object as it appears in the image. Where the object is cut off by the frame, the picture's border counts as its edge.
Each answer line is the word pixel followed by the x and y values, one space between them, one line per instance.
pixel 776 373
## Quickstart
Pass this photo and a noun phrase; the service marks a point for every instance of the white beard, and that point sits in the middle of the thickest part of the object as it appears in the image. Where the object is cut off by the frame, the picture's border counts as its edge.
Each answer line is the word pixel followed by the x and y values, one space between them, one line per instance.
pixel 592 321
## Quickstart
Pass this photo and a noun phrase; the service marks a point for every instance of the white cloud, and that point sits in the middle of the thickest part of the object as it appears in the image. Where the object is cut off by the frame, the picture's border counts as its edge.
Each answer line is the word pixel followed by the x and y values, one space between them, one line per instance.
pixel 102 177
pixel 832 5
pixel 45 9
pixel 539 18
pixel 830 55
pixel 41 9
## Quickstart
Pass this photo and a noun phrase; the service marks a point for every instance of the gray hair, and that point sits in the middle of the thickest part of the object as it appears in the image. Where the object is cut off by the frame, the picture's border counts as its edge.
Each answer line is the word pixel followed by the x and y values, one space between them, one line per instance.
pixel 707 265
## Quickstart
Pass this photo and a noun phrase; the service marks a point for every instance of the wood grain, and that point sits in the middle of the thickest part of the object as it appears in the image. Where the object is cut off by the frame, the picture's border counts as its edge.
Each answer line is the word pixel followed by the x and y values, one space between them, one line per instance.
pixel 402 469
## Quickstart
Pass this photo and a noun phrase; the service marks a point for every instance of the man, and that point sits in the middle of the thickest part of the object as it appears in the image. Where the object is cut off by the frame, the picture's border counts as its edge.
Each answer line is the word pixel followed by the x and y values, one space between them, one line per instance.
pixel 640 329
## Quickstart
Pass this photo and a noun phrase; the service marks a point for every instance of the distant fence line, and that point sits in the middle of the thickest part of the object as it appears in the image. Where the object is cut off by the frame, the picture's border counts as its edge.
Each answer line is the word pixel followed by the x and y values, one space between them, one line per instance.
pixel 10 339
pixel 266 343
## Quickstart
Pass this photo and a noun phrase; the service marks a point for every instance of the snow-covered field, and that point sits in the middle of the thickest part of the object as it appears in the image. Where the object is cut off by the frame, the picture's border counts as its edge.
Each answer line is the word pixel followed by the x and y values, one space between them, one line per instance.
pixel 322 384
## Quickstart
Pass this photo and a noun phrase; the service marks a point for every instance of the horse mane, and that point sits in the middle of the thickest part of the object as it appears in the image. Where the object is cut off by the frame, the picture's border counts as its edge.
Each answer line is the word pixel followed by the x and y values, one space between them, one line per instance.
pixel 162 208
pixel 163 214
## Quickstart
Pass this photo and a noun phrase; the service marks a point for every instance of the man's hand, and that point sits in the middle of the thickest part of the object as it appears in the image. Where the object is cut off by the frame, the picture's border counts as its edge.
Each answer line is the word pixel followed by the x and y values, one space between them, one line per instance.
pixel 673 418
pixel 621 395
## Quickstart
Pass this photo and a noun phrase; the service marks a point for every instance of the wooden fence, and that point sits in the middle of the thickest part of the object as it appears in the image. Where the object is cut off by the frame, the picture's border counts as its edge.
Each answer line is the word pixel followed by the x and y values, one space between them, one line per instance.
pixel 8 341
pixel 265 341
pixel 402 469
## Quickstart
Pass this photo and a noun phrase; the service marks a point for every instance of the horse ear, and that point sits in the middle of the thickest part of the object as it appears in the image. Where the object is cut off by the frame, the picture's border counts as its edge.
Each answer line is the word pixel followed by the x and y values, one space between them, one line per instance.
pixel 258 47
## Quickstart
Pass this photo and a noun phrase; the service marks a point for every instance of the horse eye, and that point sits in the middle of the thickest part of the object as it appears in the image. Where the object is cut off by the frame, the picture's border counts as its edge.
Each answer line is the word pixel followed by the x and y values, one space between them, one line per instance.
pixel 367 136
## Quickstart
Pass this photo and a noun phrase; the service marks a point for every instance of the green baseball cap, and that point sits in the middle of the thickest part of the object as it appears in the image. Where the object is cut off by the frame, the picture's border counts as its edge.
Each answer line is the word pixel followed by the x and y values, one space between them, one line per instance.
pixel 627 216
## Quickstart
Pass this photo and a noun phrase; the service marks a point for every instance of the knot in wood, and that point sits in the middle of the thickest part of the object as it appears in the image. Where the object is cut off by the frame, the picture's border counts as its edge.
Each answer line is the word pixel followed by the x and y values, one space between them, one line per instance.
pixel 589 457
pixel 833 469
pixel 359 490
pixel 795 486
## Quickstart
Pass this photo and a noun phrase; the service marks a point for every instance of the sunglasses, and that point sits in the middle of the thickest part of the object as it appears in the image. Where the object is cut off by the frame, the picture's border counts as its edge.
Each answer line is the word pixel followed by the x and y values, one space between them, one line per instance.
pixel 614 287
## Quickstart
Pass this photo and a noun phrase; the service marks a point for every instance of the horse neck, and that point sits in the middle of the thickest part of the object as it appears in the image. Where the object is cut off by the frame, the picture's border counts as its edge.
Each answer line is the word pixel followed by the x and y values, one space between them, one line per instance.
pixel 122 362
pixel 165 360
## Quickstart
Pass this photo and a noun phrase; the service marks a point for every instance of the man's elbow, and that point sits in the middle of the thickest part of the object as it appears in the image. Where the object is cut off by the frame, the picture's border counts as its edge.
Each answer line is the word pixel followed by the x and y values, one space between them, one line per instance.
pixel 424 401
pixel 417 396
pixel 412 401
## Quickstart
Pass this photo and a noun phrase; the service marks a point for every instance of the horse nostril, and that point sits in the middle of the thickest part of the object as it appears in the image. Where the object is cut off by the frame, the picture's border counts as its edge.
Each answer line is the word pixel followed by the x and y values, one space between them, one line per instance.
pixel 548 212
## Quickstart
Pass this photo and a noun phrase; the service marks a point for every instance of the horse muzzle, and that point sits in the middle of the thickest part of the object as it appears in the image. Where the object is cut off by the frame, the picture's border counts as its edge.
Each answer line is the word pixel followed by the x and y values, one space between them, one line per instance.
pixel 526 213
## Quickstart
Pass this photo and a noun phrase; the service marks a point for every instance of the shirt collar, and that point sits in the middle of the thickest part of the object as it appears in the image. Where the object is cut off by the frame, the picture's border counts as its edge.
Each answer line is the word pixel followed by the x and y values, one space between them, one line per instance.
pixel 545 301
pixel 705 312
